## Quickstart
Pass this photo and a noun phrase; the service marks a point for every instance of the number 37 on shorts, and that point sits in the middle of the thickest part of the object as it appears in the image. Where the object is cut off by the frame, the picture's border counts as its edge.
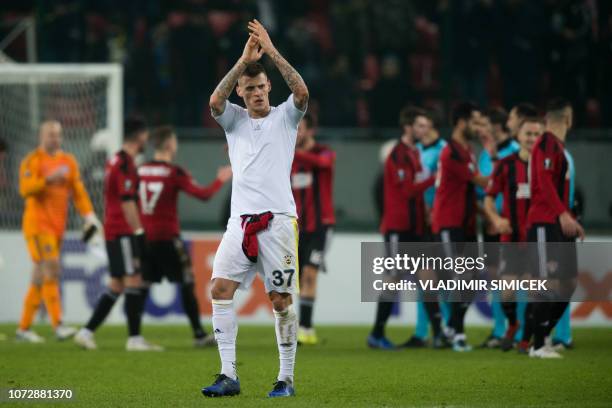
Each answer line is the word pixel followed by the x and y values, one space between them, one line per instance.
pixel 281 277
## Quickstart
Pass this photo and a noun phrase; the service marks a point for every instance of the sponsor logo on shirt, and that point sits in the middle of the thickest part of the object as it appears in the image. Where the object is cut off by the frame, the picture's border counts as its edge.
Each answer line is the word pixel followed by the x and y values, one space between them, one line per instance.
pixel 301 180
pixel 523 191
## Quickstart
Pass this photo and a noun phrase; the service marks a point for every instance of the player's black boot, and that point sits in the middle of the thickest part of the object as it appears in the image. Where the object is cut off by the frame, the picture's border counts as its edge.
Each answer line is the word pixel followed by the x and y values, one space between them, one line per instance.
pixel 414 342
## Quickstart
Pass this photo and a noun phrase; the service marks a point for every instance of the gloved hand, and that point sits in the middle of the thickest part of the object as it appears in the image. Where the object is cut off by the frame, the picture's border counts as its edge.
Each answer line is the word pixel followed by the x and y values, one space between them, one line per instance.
pixel 91 227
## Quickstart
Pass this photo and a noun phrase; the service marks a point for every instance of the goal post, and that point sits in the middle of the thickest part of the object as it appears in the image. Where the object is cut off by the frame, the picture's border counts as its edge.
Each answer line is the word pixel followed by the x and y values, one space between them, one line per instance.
pixel 87 99
pixel 57 76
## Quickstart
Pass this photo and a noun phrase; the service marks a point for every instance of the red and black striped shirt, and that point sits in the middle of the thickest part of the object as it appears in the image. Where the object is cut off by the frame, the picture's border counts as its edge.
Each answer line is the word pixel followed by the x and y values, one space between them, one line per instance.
pixel 455 200
pixel 404 204
pixel 160 184
pixel 549 181
pixel 511 179
pixel 120 184
pixel 312 176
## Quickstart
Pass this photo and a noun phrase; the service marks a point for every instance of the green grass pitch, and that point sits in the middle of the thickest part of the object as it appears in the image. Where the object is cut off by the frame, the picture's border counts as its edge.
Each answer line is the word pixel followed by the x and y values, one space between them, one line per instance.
pixel 339 372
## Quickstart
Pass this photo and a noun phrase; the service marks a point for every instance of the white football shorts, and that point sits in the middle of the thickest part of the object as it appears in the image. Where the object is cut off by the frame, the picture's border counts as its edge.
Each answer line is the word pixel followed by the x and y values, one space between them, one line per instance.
pixel 277 262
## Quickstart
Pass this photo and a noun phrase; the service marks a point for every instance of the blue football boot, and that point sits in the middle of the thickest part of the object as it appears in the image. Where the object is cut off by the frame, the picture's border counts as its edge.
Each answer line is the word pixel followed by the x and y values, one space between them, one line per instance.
pixel 222 387
pixel 282 389
pixel 381 343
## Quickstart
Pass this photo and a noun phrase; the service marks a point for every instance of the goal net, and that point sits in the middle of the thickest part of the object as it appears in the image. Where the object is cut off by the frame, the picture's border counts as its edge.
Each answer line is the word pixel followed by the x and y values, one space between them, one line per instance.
pixel 86 99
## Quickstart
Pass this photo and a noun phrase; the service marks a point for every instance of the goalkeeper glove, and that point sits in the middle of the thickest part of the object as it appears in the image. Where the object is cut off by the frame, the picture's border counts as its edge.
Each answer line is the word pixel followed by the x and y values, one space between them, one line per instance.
pixel 91 227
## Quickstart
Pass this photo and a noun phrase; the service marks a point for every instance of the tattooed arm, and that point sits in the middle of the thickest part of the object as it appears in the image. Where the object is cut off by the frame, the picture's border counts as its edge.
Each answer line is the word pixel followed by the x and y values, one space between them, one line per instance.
pixel 252 52
pixel 292 77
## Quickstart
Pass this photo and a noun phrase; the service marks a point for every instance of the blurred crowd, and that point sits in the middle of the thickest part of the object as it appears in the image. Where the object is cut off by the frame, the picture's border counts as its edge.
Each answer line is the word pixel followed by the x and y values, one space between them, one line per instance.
pixel 360 58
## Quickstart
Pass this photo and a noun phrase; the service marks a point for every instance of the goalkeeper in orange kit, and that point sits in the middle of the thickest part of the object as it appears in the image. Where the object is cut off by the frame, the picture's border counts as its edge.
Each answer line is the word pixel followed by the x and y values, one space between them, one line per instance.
pixel 48 178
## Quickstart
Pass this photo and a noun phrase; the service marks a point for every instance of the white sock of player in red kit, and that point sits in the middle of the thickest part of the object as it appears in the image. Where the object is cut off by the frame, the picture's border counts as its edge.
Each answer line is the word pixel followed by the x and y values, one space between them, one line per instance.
pixel 226 330
pixel 286 338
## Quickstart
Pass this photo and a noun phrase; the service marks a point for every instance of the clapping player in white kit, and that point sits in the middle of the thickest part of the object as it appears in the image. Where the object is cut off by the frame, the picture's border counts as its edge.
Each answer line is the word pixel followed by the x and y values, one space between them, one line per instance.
pixel 262 232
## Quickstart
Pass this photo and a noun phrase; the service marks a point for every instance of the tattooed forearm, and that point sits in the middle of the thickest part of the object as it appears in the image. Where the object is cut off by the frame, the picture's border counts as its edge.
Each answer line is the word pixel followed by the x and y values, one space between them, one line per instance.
pixel 225 88
pixel 292 78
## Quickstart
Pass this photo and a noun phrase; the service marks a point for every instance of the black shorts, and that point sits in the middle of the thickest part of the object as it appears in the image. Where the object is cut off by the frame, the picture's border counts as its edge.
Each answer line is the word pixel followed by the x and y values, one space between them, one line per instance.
pixel 401 236
pixel 395 237
pixel 392 241
pixel 490 245
pixel 514 259
pixel 551 260
pixel 313 246
pixel 428 236
pixel 453 245
pixel 122 259
pixel 168 259
pixel 456 243
pixel 453 240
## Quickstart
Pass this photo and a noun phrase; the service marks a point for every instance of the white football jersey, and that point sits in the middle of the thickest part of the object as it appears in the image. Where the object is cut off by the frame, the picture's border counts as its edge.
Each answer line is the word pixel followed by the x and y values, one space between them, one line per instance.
pixel 261 152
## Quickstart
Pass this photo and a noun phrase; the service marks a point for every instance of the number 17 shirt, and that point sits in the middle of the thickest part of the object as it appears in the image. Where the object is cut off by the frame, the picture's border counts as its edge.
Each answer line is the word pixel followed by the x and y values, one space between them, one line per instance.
pixel 160 183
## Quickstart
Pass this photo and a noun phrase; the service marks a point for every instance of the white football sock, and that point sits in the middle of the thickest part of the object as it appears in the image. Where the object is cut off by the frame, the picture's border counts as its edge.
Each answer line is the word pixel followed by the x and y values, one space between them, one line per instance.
pixel 286 338
pixel 226 330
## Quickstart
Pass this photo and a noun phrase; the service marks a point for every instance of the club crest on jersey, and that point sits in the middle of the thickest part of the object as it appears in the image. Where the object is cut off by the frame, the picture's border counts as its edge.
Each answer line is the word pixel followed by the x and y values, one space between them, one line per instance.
pixel 547 164
pixel 401 174
pixel 128 184
pixel 288 260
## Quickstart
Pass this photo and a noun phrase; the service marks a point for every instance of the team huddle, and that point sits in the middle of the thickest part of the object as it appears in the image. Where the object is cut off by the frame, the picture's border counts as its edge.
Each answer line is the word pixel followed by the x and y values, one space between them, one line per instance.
pixel 524 178
pixel 282 215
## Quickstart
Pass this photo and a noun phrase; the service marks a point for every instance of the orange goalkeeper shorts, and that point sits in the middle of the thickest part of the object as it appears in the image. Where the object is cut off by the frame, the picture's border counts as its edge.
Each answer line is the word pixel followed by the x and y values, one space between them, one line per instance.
pixel 43 247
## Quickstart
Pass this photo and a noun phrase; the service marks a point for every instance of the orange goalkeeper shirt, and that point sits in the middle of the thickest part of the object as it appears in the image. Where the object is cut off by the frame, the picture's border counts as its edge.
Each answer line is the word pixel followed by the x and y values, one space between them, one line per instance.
pixel 46 204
